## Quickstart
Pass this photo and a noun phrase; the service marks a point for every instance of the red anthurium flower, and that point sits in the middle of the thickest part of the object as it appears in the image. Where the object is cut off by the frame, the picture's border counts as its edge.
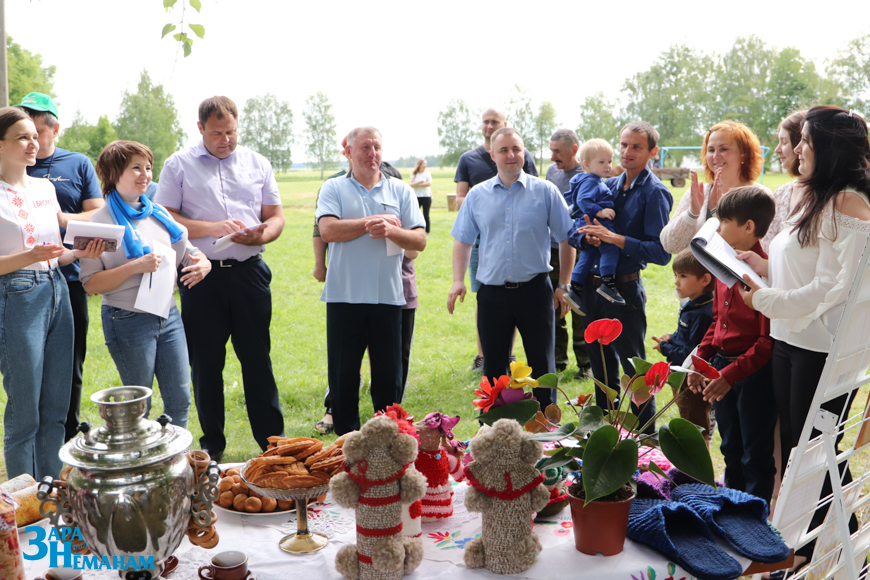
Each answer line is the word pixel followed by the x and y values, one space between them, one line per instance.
pixel 604 330
pixel 657 377
pixel 488 393
pixel 704 368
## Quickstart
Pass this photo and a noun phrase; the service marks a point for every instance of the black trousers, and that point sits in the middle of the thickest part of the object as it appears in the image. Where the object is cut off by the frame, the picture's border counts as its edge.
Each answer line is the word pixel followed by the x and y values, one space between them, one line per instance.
pixel 425 205
pixel 232 303
pixel 529 309
pixel 577 340
pixel 408 317
pixel 796 374
pixel 350 329
pixel 78 299
pixel 629 344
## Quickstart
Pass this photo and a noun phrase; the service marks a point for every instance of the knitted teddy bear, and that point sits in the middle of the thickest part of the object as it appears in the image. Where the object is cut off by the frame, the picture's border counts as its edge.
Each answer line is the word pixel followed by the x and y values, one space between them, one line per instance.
pixel 379 476
pixel 507 490
pixel 436 445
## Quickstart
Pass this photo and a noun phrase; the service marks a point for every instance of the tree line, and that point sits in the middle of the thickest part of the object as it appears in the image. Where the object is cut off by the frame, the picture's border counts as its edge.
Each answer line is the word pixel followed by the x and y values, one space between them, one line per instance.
pixel 684 93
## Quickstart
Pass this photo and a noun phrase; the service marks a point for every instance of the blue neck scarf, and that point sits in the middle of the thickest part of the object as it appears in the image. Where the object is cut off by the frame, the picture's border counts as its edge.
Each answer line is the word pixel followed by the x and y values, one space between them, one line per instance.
pixel 135 245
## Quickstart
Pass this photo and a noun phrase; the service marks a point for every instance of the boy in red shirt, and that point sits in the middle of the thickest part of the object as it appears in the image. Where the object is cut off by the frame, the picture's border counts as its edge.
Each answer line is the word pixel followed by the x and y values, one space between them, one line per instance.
pixel 738 343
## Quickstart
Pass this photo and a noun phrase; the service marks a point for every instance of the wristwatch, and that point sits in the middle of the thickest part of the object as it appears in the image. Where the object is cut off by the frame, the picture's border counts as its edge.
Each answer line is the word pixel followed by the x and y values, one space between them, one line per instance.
pixel 565 287
pixel 714 211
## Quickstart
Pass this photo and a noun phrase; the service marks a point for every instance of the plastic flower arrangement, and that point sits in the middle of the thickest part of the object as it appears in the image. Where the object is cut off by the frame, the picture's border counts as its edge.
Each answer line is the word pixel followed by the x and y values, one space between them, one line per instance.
pixel 507 390
pixel 604 444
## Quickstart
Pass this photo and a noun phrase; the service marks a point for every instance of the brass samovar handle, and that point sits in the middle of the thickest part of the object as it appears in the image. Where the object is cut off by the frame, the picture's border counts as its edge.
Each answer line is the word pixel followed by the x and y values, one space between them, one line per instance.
pixel 61 516
pixel 204 496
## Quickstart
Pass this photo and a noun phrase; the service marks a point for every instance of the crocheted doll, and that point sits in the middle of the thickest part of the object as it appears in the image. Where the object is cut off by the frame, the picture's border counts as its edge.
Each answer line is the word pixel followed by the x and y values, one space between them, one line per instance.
pixel 506 489
pixel 436 434
pixel 379 476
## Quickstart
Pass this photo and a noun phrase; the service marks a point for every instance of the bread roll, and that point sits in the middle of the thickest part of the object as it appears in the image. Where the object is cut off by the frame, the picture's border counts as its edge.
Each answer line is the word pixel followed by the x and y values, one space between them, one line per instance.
pixel 28 512
pixel 17 483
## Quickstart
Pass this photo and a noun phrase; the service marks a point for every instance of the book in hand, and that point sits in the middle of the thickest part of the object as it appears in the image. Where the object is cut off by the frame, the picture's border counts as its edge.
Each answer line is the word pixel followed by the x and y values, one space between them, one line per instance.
pixel 719 258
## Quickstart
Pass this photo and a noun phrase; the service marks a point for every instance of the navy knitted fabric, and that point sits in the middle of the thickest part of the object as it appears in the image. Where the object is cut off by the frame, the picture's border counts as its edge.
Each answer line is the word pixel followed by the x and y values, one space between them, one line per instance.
pixel 677 532
pixel 737 517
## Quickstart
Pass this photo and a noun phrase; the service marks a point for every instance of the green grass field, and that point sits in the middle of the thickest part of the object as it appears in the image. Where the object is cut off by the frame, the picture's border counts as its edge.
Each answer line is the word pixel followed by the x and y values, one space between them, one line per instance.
pixel 444 345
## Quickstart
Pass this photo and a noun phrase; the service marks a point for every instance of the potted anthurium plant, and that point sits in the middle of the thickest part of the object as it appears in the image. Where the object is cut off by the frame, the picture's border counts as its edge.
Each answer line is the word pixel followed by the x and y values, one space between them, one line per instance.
pixel 604 444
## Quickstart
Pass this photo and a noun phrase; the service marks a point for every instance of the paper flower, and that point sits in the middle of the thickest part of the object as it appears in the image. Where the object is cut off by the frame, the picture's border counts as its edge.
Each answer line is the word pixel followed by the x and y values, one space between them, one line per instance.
pixel 520 376
pixel 657 377
pixel 704 368
pixel 402 419
pixel 489 393
pixel 604 330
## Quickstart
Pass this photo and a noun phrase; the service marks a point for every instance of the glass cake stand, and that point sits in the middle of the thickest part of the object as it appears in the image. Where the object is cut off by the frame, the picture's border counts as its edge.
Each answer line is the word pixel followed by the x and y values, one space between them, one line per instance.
pixel 303 541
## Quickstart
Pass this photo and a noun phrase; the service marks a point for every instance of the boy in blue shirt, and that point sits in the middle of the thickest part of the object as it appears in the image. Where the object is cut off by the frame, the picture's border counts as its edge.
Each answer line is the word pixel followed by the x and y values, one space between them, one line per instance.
pixel 588 195
pixel 695 283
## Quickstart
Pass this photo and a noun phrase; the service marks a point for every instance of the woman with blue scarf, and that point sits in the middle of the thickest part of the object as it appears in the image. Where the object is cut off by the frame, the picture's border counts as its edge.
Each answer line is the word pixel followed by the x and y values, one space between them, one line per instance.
pixel 142 344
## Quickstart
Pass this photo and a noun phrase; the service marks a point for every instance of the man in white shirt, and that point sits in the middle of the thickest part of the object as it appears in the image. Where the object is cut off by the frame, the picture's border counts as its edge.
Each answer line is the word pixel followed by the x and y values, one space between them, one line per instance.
pixel 216 188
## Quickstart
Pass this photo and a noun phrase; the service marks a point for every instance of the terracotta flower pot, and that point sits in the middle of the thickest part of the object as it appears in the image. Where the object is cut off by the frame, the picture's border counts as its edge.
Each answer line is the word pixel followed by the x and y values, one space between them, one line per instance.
pixel 600 526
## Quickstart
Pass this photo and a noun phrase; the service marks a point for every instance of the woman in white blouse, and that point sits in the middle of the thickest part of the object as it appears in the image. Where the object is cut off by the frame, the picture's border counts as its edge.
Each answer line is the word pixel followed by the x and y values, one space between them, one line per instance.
pixel 788 137
pixel 812 265
pixel 731 157
pixel 421 181
pixel 36 336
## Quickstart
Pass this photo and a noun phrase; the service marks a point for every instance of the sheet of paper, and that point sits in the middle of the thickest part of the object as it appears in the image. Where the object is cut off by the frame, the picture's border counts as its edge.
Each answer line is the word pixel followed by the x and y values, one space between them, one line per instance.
pixel 91 230
pixel 223 243
pixel 719 258
pixel 156 292
pixel 393 248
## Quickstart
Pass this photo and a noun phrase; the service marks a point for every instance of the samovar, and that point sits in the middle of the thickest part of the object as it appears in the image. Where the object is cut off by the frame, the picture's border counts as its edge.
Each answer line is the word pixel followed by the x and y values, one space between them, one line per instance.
pixel 131 491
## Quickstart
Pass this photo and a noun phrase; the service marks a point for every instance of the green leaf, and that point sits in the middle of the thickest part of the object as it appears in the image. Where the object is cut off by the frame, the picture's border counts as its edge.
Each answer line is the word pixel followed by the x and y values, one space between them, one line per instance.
pixel 166 30
pixel 658 470
pixel 561 433
pixel 683 444
pixel 179 36
pixel 591 418
pixel 558 459
pixel 196 5
pixel 608 463
pixel 675 380
pixel 548 381
pixel 611 393
pixel 640 392
pixel 624 381
pixel 640 366
pixel 198 29
pixel 627 417
pixel 187 48
pixel 520 411
pixel 168 4
pixel 575 452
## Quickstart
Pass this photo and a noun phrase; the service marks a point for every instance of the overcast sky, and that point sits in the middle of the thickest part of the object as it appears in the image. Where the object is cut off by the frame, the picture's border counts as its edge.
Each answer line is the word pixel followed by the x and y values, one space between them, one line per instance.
pixel 396 64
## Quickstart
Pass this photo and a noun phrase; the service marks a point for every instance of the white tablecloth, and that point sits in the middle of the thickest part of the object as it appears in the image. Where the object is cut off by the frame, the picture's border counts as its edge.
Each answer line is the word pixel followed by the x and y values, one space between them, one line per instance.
pixel 443 544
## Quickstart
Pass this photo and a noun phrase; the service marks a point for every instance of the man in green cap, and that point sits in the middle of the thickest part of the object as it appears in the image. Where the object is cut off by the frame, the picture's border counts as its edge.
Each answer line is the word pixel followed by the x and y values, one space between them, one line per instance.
pixel 79 195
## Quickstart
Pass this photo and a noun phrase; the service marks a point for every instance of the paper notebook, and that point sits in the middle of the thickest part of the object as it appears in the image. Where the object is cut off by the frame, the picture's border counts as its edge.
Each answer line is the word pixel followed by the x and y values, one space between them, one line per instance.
pixel 719 258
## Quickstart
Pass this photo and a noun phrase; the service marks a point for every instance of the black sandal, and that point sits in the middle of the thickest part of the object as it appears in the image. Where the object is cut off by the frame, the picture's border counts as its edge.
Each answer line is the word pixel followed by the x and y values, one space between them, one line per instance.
pixel 323 427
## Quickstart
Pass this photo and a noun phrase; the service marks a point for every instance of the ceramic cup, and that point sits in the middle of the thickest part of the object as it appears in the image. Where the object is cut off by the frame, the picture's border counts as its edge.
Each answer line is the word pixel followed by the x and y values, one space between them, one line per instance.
pixel 226 566
pixel 62 574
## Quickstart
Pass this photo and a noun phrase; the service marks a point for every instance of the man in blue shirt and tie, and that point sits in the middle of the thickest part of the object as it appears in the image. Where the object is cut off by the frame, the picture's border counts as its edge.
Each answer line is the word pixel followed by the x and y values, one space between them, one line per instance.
pixel 642 204
pixel 514 214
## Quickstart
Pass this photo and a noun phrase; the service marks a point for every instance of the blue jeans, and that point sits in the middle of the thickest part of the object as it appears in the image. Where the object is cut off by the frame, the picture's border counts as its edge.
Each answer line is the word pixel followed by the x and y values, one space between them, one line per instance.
pixel 746 417
pixel 36 357
pixel 629 344
pixel 142 345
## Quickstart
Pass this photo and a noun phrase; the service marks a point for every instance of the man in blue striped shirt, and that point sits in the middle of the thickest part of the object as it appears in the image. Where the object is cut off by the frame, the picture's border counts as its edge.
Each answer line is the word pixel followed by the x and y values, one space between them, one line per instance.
pixel 514 215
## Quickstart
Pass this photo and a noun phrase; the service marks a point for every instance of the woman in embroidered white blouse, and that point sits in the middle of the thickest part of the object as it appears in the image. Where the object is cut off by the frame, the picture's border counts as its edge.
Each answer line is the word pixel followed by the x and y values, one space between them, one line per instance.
pixel 37 332
pixel 812 265
pixel 731 157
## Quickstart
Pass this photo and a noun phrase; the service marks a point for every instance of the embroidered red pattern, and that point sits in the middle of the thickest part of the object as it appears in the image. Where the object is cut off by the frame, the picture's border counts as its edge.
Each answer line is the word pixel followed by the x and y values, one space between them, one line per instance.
pixel 509 492
pixel 28 227
pixel 17 201
pixel 22 214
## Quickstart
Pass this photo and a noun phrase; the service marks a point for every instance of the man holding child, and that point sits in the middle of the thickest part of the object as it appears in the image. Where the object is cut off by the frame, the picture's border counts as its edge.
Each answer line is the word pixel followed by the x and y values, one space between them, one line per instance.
pixel 641 204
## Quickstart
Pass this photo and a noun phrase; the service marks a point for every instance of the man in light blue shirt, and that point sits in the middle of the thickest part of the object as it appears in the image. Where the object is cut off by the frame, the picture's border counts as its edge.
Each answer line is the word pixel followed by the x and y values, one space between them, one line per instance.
pixel 368 220
pixel 514 214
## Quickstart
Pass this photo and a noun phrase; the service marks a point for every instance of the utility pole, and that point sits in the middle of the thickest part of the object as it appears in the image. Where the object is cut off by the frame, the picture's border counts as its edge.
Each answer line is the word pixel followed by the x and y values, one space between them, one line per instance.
pixel 4 74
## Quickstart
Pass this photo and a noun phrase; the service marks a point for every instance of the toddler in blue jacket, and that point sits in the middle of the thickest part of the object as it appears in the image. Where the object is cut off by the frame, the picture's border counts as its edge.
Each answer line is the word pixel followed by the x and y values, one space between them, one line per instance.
pixel 588 195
